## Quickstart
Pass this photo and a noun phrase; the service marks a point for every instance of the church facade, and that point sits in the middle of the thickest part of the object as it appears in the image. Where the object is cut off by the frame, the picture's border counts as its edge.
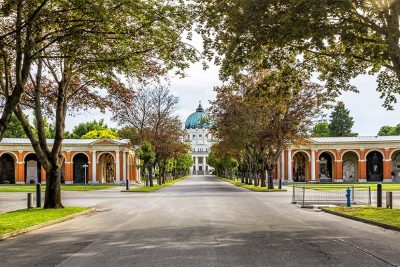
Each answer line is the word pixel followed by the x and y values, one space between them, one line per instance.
pixel 99 161
pixel 342 159
pixel 198 135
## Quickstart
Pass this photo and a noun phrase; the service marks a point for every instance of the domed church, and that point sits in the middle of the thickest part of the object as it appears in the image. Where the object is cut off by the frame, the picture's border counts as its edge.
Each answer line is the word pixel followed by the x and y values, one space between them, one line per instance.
pixel 197 128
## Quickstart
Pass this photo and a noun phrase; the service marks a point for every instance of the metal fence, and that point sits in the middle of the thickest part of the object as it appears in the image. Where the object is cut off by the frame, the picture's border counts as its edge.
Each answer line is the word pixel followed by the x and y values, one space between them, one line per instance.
pixel 334 194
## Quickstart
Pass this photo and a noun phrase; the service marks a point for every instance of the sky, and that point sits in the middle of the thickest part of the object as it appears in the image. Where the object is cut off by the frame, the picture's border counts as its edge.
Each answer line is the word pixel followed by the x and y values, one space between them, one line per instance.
pixel 365 107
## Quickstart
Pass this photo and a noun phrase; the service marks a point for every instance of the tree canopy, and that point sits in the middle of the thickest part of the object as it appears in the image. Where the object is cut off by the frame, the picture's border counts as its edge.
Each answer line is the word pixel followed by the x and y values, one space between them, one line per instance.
pixel 389 130
pixel 339 40
pixel 341 123
pixel 321 129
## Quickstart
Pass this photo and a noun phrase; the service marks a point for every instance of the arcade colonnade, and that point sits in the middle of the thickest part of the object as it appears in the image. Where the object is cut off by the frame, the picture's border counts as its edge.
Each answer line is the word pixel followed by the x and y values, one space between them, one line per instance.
pixel 103 160
pixel 342 159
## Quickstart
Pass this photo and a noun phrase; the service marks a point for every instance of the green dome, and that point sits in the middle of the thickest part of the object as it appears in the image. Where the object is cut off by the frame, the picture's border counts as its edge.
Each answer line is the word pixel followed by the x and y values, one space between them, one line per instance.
pixel 197 120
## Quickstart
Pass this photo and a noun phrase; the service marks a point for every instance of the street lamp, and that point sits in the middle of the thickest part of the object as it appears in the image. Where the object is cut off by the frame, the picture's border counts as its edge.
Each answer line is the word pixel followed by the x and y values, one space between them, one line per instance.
pixel 85 166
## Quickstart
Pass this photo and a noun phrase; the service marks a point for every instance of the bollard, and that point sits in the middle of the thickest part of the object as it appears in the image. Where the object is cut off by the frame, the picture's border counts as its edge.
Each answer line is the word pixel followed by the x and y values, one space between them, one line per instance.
pixel 389 200
pixel 127 185
pixel 280 183
pixel 38 195
pixel 379 195
pixel 30 200
pixel 348 199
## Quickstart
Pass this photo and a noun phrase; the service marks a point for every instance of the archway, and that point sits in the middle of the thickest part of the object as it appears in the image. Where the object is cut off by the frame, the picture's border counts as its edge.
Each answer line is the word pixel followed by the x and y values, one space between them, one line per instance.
pixel 79 171
pixel 374 166
pixel 107 168
pixel 325 161
pixel 350 166
pixel 395 170
pixel 7 169
pixel 32 169
pixel 300 166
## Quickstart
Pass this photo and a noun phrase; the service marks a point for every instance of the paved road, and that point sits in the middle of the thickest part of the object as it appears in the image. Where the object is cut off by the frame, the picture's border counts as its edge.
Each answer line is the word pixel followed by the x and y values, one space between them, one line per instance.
pixel 203 221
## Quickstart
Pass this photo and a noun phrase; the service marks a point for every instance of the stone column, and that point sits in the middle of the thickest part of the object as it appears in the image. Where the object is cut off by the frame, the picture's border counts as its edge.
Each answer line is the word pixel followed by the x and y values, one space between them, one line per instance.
pixel 94 166
pixel 117 168
pixel 196 165
pixel 312 165
pixel 290 178
pixel 124 167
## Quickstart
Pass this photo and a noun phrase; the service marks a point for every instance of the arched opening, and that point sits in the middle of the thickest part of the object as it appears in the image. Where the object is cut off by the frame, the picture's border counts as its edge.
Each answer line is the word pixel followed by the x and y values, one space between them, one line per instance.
pixel 107 168
pixel 395 170
pixel 80 160
pixel 32 169
pixel 300 167
pixel 325 161
pixel 374 166
pixel 7 169
pixel 350 166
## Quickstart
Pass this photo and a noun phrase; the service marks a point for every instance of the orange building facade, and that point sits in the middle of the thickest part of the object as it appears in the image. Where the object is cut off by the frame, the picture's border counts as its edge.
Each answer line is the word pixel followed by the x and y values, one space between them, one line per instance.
pixel 93 160
pixel 342 159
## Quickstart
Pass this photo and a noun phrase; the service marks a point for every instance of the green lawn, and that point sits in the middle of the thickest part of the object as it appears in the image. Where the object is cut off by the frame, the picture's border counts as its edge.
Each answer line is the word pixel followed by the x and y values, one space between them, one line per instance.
pixel 251 187
pixel 32 188
pixel 20 219
pixel 155 187
pixel 381 215
pixel 385 186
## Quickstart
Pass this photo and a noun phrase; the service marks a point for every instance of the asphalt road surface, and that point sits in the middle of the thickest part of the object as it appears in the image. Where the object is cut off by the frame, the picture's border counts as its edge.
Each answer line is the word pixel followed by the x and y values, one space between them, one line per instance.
pixel 202 221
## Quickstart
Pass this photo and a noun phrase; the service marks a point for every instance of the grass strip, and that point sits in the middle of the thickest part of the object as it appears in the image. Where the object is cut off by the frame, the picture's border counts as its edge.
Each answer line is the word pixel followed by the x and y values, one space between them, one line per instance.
pixel 379 215
pixel 32 188
pixel 20 219
pixel 149 189
pixel 252 187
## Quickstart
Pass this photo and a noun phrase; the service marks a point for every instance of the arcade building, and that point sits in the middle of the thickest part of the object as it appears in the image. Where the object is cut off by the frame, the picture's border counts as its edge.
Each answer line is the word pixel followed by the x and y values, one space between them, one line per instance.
pixel 342 159
pixel 99 160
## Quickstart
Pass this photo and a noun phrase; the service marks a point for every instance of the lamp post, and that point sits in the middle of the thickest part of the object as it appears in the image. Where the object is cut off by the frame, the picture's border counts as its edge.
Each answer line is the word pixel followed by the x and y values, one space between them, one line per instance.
pixel 85 166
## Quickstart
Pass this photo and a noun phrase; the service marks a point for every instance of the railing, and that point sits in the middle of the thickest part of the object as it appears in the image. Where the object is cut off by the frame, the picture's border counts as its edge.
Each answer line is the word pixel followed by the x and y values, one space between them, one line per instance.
pixel 334 194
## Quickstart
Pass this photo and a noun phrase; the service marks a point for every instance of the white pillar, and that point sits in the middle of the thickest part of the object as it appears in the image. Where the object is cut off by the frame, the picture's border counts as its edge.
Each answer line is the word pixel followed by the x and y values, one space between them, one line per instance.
pixel 196 165
pixel 283 165
pixel 94 166
pixel 117 168
pixel 312 165
pixel 124 166
pixel 138 175
pixel 290 165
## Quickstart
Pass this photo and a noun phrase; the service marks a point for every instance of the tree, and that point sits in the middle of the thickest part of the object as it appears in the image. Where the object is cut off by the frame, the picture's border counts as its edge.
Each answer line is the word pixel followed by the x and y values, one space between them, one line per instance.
pixel 341 121
pixel 147 156
pixel 150 115
pixel 321 129
pixel 389 130
pixel 260 116
pixel 98 134
pixel 83 128
pixel 337 39
pixel 139 40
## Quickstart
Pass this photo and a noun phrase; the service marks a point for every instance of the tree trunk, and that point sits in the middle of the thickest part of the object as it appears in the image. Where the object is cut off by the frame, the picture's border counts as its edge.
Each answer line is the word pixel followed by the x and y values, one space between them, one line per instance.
pixel 53 189
pixel 270 179
pixel 263 184
pixel 151 176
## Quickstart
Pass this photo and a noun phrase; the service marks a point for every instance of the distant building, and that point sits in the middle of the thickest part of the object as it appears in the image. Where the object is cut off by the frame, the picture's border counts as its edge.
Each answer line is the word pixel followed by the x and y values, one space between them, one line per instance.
pixel 105 161
pixel 197 128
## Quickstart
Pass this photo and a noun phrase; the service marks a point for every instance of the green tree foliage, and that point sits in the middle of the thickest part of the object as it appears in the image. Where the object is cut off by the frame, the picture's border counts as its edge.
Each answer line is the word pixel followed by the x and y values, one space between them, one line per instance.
pixel 321 129
pixel 337 39
pixel 15 129
pixel 389 130
pixel 99 134
pixel 341 122
pixel 147 156
pixel 83 128
pixel 224 165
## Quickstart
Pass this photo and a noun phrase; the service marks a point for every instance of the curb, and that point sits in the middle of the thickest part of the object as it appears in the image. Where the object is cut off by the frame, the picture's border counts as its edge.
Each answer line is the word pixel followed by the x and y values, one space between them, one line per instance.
pixel 383 225
pixel 45 224
pixel 282 190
